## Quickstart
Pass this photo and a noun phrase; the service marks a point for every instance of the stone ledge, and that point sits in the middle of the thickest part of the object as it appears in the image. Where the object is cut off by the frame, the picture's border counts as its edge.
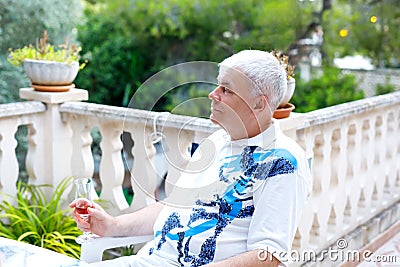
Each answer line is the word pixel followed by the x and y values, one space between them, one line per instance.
pixel 350 109
pixel 368 236
pixel 376 243
pixel 21 108
pixel 139 116
pixel 73 94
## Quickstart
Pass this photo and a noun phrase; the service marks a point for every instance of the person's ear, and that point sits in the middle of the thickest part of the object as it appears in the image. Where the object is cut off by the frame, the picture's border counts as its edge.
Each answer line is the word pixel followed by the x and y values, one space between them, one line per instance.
pixel 261 103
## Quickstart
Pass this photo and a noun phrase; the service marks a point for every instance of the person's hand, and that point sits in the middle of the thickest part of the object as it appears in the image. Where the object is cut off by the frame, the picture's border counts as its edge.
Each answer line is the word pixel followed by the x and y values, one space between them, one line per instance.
pixel 100 222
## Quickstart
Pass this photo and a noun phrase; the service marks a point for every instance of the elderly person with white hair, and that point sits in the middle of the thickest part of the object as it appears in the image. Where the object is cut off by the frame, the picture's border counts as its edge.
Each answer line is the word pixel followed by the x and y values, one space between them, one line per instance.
pixel 243 205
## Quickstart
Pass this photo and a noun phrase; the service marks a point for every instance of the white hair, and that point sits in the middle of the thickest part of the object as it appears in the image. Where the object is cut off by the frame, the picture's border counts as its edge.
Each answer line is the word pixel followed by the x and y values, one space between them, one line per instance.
pixel 265 72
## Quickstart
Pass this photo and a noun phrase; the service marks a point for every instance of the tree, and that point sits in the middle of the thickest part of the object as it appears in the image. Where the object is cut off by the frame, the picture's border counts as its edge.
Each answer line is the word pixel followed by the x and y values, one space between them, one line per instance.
pixel 21 22
pixel 127 42
pixel 370 27
pixel 333 87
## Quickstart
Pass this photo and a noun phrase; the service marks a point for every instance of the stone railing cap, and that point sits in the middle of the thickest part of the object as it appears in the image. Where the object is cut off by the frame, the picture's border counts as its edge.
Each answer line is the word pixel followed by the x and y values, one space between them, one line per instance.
pixel 73 94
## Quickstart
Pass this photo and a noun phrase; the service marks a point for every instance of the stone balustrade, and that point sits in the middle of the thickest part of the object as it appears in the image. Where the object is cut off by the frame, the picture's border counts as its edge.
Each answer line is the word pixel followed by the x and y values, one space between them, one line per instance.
pixel 13 116
pixel 356 175
pixel 354 152
pixel 144 127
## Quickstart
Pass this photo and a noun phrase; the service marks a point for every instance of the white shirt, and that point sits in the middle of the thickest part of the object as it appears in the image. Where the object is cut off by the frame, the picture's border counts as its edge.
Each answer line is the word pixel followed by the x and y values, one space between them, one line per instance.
pixel 235 196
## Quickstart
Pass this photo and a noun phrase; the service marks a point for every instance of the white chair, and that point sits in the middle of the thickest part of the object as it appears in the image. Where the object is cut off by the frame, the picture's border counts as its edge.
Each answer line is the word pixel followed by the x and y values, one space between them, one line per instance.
pixel 92 251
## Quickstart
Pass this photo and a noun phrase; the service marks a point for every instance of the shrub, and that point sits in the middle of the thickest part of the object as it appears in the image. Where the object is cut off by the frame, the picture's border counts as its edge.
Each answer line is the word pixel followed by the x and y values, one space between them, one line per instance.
pixel 382 89
pixel 333 87
pixel 29 217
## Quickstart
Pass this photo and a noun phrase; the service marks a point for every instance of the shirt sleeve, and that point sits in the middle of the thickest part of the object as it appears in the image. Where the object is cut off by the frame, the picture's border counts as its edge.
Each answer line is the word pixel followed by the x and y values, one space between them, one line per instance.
pixel 278 203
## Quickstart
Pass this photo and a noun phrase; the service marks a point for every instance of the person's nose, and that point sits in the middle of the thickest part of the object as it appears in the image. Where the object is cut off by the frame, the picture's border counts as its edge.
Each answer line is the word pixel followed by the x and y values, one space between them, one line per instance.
pixel 215 94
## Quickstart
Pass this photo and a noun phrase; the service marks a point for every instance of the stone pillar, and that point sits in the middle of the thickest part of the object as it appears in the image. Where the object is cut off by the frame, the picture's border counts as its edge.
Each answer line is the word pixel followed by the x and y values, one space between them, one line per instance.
pixel 50 138
pixel 289 125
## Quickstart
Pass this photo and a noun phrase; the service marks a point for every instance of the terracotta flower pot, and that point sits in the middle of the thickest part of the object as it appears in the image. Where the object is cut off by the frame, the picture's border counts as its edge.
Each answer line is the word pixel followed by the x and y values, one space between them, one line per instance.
pixel 283 112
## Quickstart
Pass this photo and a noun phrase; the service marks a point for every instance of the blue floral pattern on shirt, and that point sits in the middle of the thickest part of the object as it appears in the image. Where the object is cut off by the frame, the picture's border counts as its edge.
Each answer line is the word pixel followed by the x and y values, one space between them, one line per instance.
pixel 240 173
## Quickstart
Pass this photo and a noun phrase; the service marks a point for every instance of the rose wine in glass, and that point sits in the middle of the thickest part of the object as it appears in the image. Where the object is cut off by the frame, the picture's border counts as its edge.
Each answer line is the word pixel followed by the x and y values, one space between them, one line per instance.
pixel 82 204
pixel 83 201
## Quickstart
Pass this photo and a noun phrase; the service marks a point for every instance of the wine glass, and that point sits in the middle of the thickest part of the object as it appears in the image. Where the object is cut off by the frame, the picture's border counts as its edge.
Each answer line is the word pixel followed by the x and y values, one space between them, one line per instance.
pixel 83 201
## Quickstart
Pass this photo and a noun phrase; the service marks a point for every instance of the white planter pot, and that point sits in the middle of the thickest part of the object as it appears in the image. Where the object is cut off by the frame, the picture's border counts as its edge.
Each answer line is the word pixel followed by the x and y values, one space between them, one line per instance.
pixel 42 72
pixel 291 84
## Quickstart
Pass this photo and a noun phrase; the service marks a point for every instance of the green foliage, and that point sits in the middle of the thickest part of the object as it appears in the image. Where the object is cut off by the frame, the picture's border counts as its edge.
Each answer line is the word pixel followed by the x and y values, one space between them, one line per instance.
pixel 65 52
pixel 21 22
pixel 331 88
pixel 378 40
pixel 126 42
pixel 30 217
pixel 11 79
pixel 382 89
pixel 191 100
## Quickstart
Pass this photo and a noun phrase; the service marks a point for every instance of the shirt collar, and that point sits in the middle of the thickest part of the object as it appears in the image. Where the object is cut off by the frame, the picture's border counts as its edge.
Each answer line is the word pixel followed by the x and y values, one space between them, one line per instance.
pixel 263 140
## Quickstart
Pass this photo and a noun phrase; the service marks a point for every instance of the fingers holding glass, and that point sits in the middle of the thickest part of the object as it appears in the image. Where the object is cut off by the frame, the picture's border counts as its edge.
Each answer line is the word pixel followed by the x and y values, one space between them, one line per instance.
pixel 83 201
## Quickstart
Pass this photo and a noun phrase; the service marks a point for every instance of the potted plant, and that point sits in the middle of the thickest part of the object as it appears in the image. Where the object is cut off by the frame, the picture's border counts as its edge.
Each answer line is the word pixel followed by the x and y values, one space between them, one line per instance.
pixel 49 68
pixel 284 108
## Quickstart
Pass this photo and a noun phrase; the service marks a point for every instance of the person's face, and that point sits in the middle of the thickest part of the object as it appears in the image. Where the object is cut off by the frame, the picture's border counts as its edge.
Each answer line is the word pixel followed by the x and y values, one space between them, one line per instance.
pixel 232 105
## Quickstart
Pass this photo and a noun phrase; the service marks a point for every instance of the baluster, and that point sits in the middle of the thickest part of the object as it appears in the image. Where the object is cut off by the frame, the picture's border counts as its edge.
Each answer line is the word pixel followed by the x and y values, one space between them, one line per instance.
pixel 398 141
pixel 350 151
pixel 332 220
pixel 318 170
pixel 390 160
pixel 34 167
pixel 111 167
pixel 366 167
pixel 358 136
pixel 386 189
pixel 383 138
pixel 371 145
pixel 326 162
pixel 306 141
pixel 297 240
pixel 361 205
pixel 377 140
pixel 300 138
pixel 179 142
pixel 305 226
pixel 390 138
pixel 339 206
pixel 336 179
pixel 397 155
pixel 82 158
pixel 144 179
pixel 9 168
pixel 315 231
pixel 335 157
pixel 377 170
pixel 365 144
pixel 397 183
pixel 82 163
pixel 374 198
pixel 347 214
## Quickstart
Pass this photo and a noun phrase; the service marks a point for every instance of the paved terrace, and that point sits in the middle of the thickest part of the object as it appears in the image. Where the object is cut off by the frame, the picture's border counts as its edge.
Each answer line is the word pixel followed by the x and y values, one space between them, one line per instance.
pixel 354 151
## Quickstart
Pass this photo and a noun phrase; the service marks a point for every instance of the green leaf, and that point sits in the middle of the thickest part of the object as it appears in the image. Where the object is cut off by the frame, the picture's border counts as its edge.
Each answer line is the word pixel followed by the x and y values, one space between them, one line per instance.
pixel 30 217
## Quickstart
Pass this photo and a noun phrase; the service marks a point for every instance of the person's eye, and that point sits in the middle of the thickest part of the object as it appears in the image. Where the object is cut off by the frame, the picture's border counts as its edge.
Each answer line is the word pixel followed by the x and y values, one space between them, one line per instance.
pixel 226 90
